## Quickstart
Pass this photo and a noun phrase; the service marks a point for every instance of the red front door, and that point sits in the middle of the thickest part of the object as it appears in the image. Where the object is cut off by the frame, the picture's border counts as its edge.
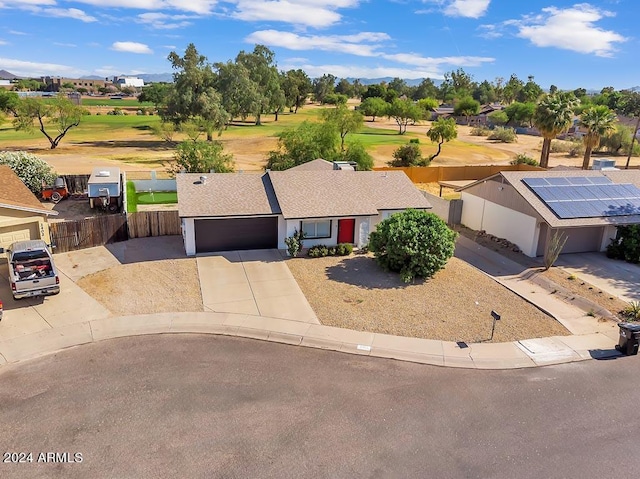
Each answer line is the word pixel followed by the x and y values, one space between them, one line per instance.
pixel 346 230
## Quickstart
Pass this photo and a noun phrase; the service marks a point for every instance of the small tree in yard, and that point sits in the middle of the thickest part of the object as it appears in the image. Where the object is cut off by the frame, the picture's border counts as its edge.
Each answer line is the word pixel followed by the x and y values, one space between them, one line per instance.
pixel 32 170
pixel 202 157
pixel 59 113
pixel 443 129
pixel 414 243
pixel 408 155
pixel 554 248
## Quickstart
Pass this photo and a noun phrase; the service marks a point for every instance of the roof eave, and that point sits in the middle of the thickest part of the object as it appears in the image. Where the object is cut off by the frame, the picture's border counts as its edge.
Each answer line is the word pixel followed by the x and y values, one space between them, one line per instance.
pixel 29 209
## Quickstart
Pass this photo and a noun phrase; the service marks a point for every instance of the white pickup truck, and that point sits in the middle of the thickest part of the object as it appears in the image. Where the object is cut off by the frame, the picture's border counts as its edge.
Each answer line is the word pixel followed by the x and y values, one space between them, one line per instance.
pixel 31 270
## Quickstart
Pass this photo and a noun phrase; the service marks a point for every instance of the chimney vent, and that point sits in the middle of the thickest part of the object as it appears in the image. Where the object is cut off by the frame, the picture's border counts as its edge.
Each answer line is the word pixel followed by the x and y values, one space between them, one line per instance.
pixel 203 180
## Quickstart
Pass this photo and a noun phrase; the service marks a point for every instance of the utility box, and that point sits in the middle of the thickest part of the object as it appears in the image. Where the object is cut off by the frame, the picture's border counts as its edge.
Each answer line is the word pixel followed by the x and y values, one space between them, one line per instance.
pixel 105 188
pixel 603 164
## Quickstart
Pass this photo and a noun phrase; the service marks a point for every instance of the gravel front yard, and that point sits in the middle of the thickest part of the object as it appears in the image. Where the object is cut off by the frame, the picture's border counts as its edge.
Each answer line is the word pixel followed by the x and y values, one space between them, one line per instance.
pixel 170 285
pixel 455 305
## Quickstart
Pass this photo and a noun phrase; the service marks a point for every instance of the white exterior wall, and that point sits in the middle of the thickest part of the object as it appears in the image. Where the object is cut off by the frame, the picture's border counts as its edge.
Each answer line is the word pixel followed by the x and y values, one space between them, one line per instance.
pixel 289 227
pixel 189 236
pixel 502 222
pixel 609 234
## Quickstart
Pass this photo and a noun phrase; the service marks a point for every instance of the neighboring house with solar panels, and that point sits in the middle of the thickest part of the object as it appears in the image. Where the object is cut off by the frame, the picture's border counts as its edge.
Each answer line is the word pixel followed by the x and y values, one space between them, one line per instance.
pixel 527 207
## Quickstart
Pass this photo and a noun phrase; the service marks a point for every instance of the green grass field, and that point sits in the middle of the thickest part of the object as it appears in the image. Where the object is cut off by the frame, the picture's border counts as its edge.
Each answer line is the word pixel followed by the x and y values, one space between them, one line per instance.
pixel 157 197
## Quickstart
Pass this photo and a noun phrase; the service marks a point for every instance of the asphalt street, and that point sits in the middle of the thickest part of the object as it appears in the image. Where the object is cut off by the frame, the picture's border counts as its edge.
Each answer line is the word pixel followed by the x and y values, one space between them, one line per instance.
pixel 208 406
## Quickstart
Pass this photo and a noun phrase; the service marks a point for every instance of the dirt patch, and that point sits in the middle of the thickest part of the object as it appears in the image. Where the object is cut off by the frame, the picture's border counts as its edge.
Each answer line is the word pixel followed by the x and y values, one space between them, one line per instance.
pixel 149 287
pixel 72 209
pixel 455 305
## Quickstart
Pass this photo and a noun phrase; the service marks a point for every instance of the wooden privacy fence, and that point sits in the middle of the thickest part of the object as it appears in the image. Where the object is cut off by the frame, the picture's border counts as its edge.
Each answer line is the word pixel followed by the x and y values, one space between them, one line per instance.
pixel 73 235
pixel 433 174
pixel 100 230
pixel 153 223
pixel 77 183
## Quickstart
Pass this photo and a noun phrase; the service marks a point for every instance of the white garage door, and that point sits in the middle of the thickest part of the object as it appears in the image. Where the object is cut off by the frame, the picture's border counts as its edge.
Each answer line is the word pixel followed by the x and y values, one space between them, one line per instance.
pixel 11 234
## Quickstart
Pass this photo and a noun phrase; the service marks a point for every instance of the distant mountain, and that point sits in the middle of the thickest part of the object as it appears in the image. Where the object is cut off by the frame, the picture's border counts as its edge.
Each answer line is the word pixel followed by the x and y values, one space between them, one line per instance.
pixel 91 77
pixel 5 75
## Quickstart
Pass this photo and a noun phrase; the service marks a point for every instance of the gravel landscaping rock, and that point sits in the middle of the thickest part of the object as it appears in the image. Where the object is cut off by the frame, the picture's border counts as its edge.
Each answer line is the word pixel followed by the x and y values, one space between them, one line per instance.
pixel 147 287
pixel 455 305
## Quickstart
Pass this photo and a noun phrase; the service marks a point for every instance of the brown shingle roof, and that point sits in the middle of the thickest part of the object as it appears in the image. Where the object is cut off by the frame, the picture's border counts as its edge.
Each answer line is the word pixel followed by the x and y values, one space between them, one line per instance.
pixel 297 194
pixel 225 194
pixel 621 176
pixel 14 193
pixel 315 165
pixel 318 194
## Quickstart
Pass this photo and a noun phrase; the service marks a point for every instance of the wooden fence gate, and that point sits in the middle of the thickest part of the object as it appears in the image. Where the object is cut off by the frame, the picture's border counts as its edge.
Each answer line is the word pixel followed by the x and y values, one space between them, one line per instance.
pixel 153 223
pixel 73 235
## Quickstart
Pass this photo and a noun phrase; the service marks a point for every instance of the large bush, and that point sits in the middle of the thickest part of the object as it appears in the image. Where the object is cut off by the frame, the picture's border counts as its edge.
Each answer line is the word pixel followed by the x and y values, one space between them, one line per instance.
pixel 408 155
pixel 626 244
pixel 505 135
pixel 413 243
pixel 32 170
pixel 522 159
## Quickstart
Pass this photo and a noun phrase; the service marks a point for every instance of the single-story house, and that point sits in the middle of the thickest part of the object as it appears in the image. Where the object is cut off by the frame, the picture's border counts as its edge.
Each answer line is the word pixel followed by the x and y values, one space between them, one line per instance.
pixel 239 211
pixel 528 207
pixel 22 216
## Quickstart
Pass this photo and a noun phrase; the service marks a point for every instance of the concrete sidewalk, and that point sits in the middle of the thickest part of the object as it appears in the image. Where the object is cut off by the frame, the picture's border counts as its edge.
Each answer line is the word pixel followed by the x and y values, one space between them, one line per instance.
pixel 524 282
pixel 517 354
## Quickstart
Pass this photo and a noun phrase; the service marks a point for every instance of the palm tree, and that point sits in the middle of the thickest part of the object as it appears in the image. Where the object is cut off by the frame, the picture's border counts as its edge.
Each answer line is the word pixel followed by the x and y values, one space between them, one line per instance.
pixel 553 115
pixel 598 120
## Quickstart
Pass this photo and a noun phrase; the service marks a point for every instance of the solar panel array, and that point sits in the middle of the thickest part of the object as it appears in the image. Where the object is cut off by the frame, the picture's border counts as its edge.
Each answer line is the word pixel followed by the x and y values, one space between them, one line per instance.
pixel 586 196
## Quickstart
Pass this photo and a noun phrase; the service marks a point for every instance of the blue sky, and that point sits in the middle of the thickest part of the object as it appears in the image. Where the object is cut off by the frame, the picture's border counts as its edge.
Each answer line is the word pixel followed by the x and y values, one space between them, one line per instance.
pixel 569 44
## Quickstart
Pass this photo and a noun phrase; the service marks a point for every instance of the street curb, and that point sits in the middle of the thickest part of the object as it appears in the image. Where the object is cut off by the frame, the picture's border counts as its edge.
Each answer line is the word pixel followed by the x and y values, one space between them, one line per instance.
pixel 512 355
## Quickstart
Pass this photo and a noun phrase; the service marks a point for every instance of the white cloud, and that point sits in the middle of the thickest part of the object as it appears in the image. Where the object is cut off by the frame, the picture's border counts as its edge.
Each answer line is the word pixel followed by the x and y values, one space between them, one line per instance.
pixel 3 42
pixel 312 13
pixel 131 47
pixel 70 45
pixel 467 8
pixel 570 29
pixel 162 21
pixel 16 32
pixel 362 44
pixel 490 31
pixel 459 8
pixel 74 13
pixel 35 69
pixel 195 6
pixel 22 3
pixel 355 71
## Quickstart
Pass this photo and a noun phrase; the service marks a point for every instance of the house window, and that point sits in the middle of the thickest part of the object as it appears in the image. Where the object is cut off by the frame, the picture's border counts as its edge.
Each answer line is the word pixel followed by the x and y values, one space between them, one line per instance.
pixel 316 229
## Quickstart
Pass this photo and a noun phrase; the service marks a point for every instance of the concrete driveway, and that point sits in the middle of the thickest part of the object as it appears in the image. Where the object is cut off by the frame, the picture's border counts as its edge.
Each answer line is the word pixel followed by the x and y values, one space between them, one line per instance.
pixel 256 282
pixel 31 315
pixel 616 277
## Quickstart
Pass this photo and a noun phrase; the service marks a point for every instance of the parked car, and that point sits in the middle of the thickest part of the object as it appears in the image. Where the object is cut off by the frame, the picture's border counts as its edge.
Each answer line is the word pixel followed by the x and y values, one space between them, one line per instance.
pixel 32 271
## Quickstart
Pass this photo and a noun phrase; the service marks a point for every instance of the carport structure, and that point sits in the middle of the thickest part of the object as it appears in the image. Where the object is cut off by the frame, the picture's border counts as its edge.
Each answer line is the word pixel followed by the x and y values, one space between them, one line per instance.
pixel 528 207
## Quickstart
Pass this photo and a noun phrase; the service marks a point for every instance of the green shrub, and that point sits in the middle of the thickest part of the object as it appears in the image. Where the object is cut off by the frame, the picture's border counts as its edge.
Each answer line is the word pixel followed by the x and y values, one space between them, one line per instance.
pixel 344 249
pixel 408 155
pixel 318 251
pixel 32 170
pixel 415 140
pixel 632 311
pixel 505 135
pixel 522 159
pixel 626 244
pixel 413 243
pixel 480 131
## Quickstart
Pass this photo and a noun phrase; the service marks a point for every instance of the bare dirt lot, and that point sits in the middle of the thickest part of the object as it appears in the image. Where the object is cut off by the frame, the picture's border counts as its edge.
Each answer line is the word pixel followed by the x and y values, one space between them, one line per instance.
pixel 455 305
pixel 162 286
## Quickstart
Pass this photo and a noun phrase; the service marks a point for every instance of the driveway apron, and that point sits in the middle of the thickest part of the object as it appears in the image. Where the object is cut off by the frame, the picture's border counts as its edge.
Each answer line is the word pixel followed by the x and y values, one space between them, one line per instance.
pixel 256 282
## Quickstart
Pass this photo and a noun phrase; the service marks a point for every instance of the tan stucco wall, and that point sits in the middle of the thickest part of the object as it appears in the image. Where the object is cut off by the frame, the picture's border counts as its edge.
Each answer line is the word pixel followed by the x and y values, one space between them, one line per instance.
pixel 14 223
